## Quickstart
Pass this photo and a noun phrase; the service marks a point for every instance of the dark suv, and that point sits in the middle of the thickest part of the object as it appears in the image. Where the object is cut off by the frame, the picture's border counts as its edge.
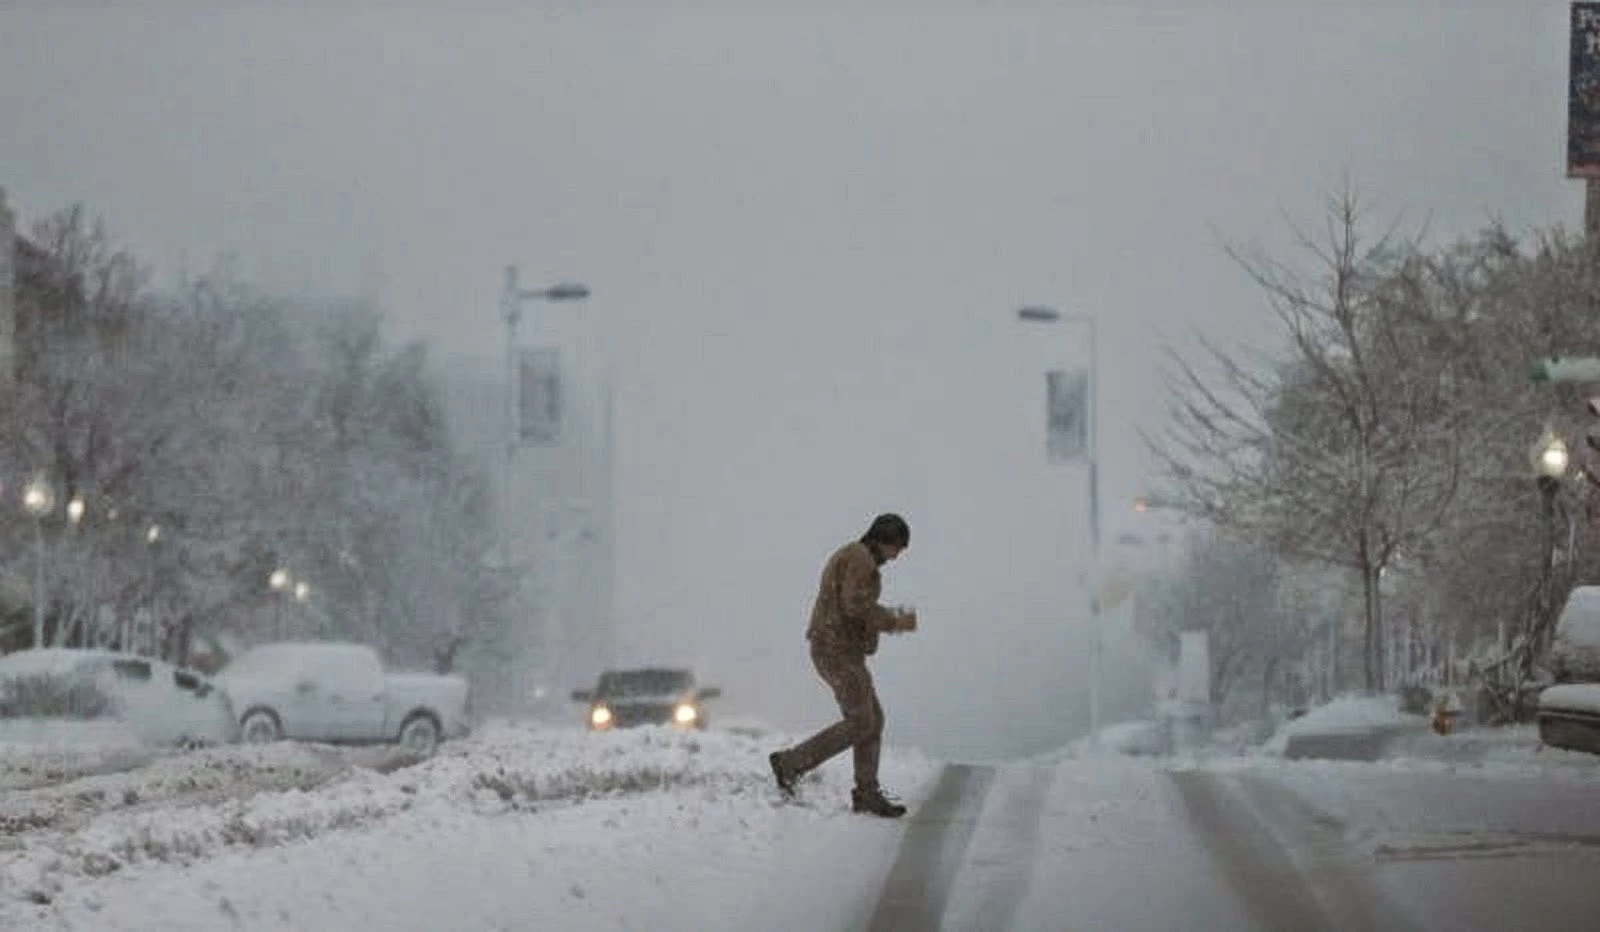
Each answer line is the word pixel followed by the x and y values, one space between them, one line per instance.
pixel 646 696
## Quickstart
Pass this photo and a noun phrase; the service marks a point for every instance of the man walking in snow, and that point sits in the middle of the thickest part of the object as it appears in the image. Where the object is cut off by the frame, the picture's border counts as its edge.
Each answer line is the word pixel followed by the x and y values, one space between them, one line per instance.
pixel 846 621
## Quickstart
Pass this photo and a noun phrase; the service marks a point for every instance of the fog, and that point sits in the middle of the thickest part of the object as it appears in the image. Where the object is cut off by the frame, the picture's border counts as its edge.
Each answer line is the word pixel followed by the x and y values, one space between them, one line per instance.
pixel 807 234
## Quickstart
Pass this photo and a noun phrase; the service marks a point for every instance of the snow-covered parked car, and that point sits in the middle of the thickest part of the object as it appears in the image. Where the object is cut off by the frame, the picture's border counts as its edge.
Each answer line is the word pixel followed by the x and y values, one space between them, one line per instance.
pixel 340 693
pixel 158 703
pixel 1575 648
pixel 1569 717
pixel 1137 738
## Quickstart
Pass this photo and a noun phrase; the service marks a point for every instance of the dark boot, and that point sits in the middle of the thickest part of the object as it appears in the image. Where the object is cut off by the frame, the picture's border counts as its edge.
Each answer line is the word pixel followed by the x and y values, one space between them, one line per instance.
pixel 781 774
pixel 874 802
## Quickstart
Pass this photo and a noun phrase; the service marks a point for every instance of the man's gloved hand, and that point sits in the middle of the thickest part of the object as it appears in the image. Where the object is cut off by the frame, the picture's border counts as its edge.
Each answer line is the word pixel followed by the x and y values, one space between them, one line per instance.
pixel 905 620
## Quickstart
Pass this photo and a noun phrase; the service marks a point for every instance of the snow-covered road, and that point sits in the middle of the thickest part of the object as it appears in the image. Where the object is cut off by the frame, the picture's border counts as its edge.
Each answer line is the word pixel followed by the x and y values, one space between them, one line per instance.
pixel 1270 844
pixel 525 827
pixel 1439 848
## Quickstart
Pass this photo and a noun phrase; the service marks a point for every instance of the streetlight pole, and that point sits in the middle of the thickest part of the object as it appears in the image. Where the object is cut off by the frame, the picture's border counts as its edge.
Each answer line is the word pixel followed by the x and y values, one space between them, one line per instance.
pixel 152 537
pixel 279 581
pixel 38 498
pixel 512 297
pixel 1039 314
pixel 1551 459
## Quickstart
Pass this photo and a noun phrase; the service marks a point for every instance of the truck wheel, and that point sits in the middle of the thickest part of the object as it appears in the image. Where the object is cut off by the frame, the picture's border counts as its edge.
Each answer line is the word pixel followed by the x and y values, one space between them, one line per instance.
pixel 260 727
pixel 420 734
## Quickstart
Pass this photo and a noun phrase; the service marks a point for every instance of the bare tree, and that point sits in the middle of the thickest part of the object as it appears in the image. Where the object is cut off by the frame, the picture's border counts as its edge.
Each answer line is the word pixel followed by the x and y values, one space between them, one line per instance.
pixel 1346 450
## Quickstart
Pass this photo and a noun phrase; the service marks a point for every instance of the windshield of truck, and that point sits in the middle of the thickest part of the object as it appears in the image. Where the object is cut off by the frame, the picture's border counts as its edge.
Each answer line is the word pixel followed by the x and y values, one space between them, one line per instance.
pixel 644 683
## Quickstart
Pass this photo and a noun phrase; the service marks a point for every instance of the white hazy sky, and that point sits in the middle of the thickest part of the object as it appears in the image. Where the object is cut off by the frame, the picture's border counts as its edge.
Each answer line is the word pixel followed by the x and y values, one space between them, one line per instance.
pixel 806 227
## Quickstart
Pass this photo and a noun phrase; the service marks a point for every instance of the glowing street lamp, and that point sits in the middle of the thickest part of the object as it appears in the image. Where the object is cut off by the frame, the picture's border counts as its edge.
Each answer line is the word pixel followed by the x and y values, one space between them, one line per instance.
pixel 302 591
pixel 1553 457
pixel 75 509
pixel 38 498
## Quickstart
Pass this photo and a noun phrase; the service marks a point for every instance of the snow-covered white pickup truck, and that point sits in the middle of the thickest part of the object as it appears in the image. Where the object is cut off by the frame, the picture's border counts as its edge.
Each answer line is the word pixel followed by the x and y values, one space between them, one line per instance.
pixel 340 693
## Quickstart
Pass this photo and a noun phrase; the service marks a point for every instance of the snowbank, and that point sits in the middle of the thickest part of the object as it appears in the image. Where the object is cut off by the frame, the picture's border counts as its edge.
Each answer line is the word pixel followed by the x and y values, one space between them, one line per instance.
pixel 1511 751
pixel 504 771
pixel 1503 753
pixel 35 752
pixel 212 775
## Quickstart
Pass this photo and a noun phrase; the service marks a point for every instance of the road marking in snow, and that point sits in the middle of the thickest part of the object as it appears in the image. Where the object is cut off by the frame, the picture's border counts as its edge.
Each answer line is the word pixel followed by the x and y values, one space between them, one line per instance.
pixel 1461 846
pixel 918 885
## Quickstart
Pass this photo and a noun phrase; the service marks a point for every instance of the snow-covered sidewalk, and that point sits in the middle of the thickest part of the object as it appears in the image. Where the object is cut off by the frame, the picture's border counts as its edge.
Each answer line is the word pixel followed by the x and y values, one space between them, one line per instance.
pixel 518 827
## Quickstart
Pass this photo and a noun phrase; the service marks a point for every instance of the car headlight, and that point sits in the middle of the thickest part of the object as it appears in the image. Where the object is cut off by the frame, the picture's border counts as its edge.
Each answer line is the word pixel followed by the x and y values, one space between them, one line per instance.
pixel 685 714
pixel 599 716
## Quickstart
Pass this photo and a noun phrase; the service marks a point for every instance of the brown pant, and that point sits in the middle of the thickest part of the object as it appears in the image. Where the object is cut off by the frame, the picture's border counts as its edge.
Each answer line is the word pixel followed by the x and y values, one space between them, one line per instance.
pixel 861 728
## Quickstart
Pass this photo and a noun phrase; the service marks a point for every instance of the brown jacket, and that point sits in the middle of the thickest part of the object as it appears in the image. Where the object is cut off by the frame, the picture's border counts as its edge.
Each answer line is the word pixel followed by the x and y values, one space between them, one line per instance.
pixel 846 616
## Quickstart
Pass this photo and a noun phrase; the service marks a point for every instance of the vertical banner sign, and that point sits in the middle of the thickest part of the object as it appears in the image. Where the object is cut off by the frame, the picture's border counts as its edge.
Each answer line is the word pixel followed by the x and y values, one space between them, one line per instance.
pixel 1583 93
pixel 1067 414
pixel 1194 667
pixel 539 396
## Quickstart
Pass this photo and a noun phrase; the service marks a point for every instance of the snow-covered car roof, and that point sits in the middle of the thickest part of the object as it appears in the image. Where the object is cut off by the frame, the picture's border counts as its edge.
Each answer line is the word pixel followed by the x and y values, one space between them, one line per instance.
pixel 1579 623
pixel 55 661
pixel 1572 697
pixel 288 658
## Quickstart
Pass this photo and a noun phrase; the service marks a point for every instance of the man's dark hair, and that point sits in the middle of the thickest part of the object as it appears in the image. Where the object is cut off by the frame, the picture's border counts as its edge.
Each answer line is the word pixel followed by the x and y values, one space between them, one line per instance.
pixel 888 530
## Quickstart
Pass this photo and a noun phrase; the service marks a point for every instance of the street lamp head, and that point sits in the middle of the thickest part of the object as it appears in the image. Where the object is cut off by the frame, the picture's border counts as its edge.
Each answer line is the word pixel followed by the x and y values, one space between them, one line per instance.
pixel 567 291
pixel 279 579
pixel 38 498
pixel 302 591
pixel 75 509
pixel 1038 312
pixel 154 534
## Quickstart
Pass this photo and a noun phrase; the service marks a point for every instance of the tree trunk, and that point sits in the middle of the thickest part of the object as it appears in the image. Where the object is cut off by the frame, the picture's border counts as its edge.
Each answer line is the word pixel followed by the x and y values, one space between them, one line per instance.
pixel 1372 627
pixel 1335 682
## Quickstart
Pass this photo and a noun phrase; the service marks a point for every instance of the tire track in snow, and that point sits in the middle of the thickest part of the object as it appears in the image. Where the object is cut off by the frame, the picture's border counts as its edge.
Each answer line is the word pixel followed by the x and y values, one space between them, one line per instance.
pixel 1292 872
pixel 918 886
pixel 1001 865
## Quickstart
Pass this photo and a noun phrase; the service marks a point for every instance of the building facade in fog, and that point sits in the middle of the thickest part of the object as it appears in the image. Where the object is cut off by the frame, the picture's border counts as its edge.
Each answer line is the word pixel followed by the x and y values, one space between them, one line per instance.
pixel 554 495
